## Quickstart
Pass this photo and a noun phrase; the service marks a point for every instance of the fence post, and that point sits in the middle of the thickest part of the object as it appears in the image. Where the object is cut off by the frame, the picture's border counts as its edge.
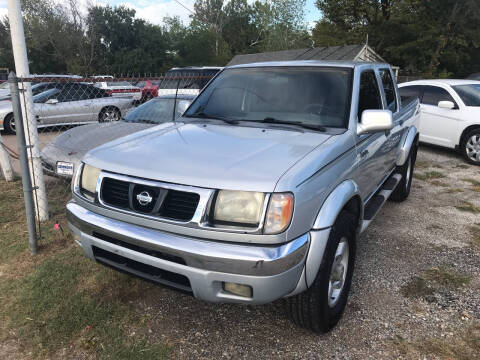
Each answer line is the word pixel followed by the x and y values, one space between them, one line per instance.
pixel 5 163
pixel 30 123
pixel 22 154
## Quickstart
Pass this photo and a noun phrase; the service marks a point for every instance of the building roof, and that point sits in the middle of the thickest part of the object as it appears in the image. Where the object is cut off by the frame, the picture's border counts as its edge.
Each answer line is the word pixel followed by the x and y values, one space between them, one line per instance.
pixel 344 53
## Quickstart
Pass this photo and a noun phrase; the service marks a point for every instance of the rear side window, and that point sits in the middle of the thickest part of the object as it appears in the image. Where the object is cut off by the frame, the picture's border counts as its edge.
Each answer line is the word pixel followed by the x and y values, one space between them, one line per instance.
pixel 389 89
pixel 369 97
pixel 409 93
pixel 433 94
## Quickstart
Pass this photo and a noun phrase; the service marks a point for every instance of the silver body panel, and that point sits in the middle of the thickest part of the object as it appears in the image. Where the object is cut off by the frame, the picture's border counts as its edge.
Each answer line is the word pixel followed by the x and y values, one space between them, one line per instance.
pixel 322 170
pixel 70 112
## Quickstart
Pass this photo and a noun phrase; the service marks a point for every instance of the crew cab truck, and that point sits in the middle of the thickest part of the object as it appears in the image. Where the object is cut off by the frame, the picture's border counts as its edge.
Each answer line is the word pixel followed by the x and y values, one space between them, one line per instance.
pixel 259 191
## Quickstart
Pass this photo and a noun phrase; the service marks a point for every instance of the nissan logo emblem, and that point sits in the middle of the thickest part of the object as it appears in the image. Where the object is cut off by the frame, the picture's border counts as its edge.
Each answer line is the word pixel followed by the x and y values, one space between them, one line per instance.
pixel 144 198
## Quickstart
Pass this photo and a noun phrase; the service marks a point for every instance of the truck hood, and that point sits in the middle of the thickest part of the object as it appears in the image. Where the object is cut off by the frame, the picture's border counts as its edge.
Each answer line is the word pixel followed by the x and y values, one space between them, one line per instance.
pixel 206 155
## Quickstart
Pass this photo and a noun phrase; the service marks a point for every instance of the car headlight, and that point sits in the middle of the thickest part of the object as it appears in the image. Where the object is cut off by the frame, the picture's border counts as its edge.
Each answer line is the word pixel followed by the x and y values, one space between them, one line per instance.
pixel 88 181
pixel 279 213
pixel 238 208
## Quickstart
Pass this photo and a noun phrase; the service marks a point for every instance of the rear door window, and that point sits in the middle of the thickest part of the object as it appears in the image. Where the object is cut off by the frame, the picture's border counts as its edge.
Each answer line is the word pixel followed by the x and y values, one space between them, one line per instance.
pixel 369 97
pixel 389 89
pixel 409 93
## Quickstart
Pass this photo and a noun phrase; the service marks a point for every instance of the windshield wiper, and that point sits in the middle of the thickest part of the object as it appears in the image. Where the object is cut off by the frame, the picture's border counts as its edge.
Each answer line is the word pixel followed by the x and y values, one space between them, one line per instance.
pixel 271 120
pixel 204 115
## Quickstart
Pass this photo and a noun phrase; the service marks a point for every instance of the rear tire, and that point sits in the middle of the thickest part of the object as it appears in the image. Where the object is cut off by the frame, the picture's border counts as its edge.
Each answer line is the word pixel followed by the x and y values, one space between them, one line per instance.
pixel 9 124
pixel 321 306
pixel 402 191
pixel 470 147
pixel 109 114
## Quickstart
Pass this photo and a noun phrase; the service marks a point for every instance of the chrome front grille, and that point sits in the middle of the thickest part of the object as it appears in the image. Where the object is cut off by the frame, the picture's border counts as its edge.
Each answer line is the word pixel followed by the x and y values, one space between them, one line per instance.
pixel 149 198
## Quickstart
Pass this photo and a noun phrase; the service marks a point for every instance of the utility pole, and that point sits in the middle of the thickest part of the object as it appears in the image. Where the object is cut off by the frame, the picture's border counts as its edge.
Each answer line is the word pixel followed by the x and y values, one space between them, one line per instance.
pixel 26 101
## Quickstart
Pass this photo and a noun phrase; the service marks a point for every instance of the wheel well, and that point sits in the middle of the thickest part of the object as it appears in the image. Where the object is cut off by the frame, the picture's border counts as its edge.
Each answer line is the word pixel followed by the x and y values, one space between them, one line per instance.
pixel 353 206
pixel 107 108
pixel 466 131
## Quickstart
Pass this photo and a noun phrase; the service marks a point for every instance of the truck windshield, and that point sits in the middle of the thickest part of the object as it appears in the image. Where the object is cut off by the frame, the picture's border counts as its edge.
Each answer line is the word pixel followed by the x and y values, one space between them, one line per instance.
pixel 317 96
pixel 470 94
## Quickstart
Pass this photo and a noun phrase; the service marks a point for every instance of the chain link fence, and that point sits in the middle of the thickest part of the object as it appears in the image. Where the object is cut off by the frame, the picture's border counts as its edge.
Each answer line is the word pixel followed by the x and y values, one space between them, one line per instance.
pixel 74 115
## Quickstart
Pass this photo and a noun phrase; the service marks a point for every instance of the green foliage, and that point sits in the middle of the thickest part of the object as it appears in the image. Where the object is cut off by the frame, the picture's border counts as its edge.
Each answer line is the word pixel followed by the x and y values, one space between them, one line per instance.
pixel 111 40
pixel 436 38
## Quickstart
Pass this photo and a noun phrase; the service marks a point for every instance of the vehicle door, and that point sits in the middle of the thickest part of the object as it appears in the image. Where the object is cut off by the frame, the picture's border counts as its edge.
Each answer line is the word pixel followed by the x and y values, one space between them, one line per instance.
pixel 372 163
pixel 72 106
pixel 45 104
pixel 391 101
pixel 438 126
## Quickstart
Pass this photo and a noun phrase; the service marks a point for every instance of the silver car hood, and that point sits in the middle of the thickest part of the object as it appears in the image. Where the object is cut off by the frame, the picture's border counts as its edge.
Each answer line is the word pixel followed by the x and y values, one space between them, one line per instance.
pixel 210 156
pixel 73 144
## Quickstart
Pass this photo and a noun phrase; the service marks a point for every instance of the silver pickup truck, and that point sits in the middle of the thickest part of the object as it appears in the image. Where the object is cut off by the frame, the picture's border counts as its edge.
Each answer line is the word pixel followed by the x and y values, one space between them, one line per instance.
pixel 259 191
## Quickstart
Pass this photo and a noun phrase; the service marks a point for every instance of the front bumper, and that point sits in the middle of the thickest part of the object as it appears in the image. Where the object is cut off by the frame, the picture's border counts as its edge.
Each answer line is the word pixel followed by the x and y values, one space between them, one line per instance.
pixel 195 265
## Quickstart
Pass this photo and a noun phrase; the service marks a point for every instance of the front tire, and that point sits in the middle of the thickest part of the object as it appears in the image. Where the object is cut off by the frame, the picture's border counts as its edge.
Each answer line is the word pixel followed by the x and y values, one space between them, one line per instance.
pixel 9 124
pixel 402 191
pixel 471 147
pixel 109 114
pixel 321 306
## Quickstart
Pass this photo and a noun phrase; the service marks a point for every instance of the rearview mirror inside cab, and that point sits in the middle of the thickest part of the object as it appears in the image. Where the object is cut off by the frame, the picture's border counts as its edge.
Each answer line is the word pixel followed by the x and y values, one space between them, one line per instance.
pixel 375 121
pixel 446 105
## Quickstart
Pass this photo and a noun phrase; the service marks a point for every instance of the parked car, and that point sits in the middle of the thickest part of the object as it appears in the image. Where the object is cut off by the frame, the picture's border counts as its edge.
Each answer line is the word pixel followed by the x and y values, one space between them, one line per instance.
pixel 149 89
pixel 69 104
pixel 4 89
pixel 120 89
pixel 258 191
pixel 450 114
pixel 189 80
pixel 64 154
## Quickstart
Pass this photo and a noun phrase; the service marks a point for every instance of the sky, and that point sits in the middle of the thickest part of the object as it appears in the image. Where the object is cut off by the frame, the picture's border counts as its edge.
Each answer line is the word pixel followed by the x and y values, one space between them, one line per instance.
pixel 155 10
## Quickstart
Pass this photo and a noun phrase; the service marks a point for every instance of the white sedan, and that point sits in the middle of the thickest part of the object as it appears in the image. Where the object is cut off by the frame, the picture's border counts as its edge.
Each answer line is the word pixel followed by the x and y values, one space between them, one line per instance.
pixel 450 113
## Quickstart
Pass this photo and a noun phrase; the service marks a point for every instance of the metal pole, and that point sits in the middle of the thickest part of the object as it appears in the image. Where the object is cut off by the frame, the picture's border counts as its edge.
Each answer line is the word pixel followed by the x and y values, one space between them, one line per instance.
pixel 22 154
pixel 26 102
pixel 5 163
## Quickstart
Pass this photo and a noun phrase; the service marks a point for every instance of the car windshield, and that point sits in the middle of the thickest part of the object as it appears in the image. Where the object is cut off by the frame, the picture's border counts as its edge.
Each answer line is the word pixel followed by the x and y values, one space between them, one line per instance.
pixel 157 111
pixel 470 94
pixel 44 96
pixel 314 96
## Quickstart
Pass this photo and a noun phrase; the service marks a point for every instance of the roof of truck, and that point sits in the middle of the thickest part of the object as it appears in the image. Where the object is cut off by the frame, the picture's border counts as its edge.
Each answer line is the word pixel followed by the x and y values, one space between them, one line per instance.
pixel 346 64
pixel 451 82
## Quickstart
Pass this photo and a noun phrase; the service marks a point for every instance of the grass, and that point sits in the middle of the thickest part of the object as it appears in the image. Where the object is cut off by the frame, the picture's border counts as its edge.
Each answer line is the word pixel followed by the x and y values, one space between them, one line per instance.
pixel 463 345
pixel 475 232
pixel 429 175
pixel 434 280
pixel 467 206
pixel 475 184
pixel 59 300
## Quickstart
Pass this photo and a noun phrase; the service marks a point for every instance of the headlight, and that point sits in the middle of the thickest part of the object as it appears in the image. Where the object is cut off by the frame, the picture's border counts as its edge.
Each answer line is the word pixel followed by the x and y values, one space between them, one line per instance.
pixel 88 182
pixel 238 208
pixel 279 213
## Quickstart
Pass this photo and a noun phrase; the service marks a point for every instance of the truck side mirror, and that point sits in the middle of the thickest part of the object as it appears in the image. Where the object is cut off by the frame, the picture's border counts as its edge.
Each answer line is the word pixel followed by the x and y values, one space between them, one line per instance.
pixel 375 121
pixel 449 105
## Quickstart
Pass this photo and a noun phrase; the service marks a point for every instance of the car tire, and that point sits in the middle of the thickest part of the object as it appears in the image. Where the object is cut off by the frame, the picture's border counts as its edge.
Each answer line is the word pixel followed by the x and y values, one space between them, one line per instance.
pixel 402 191
pixel 109 114
pixel 9 124
pixel 470 146
pixel 148 96
pixel 315 309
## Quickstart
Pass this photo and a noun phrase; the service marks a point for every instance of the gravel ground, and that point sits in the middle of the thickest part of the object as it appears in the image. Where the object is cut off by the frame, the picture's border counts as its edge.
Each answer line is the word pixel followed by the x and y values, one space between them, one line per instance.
pixel 416 288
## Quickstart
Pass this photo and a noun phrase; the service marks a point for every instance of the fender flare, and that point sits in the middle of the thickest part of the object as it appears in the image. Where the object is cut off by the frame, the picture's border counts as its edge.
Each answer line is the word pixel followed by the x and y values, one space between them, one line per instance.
pixel 335 202
pixel 407 146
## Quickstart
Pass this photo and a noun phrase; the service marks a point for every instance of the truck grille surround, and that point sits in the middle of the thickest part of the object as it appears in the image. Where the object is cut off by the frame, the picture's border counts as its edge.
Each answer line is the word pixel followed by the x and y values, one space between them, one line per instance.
pixel 152 200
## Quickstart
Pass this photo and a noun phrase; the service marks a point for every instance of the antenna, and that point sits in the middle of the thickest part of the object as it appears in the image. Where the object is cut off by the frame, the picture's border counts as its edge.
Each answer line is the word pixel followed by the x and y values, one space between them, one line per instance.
pixel 366 41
